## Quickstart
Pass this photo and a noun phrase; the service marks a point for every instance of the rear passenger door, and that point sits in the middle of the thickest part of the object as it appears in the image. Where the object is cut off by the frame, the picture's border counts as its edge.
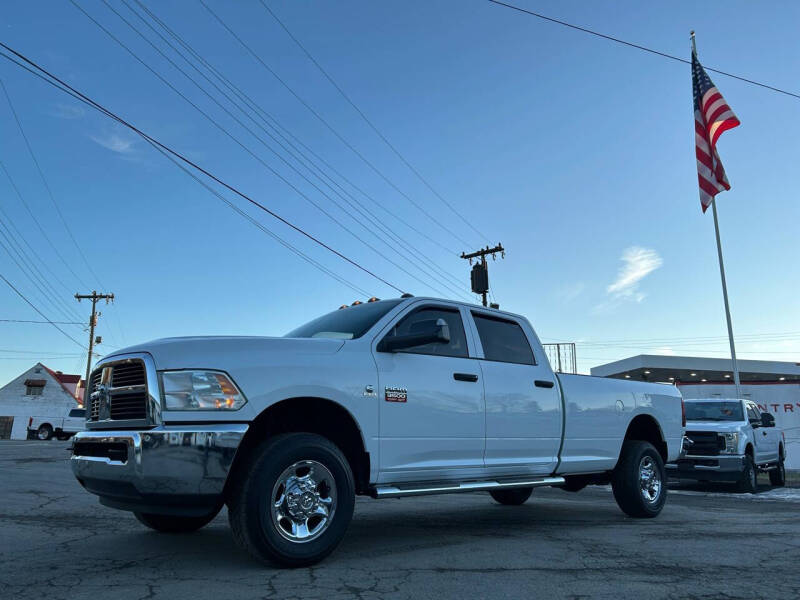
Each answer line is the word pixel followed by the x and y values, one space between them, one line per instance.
pixel 523 408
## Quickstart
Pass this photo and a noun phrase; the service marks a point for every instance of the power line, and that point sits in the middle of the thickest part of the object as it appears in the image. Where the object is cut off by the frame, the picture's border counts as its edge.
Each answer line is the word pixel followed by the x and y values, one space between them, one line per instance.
pixel 44 180
pixel 41 314
pixel 42 322
pixel 375 222
pixel 639 47
pixel 66 88
pixel 299 154
pixel 329 126
pixel 370 123
pixel 254 134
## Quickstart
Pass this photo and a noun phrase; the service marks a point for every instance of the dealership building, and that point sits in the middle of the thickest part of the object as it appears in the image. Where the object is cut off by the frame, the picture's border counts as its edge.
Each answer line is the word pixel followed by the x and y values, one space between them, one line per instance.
pixel 773 385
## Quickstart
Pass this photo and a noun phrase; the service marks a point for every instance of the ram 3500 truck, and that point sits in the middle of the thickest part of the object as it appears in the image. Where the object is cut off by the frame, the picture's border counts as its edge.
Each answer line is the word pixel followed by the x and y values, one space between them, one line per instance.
pixel 388 398
pixel 730 440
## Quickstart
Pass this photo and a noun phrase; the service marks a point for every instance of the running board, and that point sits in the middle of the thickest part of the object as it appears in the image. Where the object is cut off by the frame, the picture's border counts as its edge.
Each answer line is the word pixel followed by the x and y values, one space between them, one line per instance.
pixel 391 491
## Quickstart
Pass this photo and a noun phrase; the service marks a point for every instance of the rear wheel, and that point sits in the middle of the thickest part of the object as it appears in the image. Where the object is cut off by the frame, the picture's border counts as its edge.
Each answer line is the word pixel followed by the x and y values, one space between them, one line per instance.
pixel 512 497
pixel 294 501
pixel 748 483
pixel 777 477
pixel 174 524
pixel 45 432
pixel 638 481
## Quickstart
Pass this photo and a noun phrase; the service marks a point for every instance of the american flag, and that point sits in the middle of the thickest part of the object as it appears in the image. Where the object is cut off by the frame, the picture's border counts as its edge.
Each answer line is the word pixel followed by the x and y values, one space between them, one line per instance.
pixel 712 116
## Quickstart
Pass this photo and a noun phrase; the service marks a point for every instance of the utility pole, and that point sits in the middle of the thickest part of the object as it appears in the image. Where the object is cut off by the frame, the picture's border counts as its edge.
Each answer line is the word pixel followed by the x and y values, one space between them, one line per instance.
pixel 94 297
pixel 479 275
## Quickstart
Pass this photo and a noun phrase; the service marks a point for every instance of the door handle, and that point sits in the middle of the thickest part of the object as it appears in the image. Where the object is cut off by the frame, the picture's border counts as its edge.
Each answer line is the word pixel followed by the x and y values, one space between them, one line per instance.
pixel 543 383
pixel 465 377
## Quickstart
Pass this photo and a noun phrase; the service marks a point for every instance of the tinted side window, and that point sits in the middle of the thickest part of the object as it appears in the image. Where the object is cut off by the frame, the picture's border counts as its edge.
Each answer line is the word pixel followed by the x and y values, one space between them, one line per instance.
pixel 78 412
pixel 503 340
pixel 458 339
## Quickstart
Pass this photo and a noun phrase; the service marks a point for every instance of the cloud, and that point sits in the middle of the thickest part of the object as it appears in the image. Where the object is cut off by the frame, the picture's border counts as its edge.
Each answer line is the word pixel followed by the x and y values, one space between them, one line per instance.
pixel 67 111
pixel 568 293
pixel 115 143
pixel 637 264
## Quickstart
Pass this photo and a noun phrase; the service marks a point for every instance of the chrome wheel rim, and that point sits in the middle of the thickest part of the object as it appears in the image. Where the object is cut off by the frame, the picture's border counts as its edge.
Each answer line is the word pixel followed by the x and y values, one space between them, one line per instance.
pixel 649 480
pixel 303 501
pixel 42 434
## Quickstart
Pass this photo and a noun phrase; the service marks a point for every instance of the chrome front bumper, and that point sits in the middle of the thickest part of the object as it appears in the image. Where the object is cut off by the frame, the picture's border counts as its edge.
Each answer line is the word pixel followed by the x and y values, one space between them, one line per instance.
pixel 167 470
pixel 724 467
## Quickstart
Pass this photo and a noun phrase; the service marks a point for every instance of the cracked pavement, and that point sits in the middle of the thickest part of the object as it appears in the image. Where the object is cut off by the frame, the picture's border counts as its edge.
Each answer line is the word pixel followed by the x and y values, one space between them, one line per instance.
pixel 57 541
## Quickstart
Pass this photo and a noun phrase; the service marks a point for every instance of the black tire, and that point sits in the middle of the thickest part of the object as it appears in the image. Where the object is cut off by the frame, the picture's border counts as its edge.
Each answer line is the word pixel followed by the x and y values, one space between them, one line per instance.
pixel 512 497
pixel 748 483
pixel 251 501
pixel 174 524
pixel 638 481
pixel 45 432
pixel 62 437
pixel 777 478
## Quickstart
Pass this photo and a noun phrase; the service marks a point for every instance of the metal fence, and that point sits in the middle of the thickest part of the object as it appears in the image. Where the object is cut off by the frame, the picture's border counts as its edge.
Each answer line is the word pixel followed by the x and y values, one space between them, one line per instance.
pixel 562 357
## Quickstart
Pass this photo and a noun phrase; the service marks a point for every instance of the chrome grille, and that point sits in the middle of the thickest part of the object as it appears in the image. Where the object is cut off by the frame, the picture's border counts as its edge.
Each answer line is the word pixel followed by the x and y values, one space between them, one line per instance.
pixel 94 404
pixel 127 394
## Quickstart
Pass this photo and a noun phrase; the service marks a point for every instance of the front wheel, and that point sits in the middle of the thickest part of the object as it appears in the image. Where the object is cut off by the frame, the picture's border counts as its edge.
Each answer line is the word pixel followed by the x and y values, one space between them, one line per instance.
pixel 777 477
pixel 292 504
pixel 45 432
pixel 638 481
pixel 512 497
pixel 173 524
pixel 748 483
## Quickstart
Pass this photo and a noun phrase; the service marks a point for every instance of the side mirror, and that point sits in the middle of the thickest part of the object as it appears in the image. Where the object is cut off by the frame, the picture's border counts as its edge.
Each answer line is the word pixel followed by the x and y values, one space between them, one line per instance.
pixel 423 332
pixel 767 420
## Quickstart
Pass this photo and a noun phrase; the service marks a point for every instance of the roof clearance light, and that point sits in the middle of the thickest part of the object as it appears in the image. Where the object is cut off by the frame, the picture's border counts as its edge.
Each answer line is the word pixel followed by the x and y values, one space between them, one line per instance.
pixel 374 299
pixel 343 306
pixel 356 303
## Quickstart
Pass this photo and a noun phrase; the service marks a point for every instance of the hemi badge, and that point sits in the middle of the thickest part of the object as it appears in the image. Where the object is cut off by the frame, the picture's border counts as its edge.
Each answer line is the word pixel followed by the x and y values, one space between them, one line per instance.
pixel 396 394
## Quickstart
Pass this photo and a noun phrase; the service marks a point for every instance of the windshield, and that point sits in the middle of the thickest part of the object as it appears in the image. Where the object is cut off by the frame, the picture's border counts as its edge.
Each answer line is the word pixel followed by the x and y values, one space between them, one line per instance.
pixel 714 411
pixel 346 323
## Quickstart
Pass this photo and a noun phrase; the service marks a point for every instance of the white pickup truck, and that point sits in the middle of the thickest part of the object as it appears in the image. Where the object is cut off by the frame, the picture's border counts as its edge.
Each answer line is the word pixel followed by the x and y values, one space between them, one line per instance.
pixel 730 440
pixel 388 398
pixel 63 428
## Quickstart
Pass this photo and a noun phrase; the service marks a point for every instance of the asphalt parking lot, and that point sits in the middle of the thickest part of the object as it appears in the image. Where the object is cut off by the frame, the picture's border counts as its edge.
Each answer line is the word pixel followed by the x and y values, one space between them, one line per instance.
pixel 56 541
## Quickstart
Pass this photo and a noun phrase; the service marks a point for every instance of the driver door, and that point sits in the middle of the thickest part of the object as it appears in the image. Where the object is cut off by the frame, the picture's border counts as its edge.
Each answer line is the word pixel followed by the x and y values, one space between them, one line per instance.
pixel 432 417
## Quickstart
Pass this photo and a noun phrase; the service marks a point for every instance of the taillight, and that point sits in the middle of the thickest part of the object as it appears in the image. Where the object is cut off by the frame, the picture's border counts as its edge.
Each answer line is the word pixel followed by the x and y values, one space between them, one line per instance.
pixel 683 413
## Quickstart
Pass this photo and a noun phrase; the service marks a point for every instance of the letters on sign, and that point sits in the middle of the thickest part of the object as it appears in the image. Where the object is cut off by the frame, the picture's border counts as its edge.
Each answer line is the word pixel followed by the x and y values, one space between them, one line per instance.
pixel 396 394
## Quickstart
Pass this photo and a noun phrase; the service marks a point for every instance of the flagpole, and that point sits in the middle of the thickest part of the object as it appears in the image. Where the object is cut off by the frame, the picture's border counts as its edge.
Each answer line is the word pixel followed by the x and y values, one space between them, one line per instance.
pixel 736 381
pixel 735 365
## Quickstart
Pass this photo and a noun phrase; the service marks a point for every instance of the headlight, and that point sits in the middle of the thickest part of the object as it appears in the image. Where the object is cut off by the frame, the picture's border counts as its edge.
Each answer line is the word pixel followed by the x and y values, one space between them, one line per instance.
pixel 731 443
pixel 200 390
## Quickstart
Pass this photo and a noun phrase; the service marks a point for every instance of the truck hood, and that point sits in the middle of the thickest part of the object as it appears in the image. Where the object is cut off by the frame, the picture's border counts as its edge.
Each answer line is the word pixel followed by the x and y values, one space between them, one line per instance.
pixel 718 426
pixel 208 351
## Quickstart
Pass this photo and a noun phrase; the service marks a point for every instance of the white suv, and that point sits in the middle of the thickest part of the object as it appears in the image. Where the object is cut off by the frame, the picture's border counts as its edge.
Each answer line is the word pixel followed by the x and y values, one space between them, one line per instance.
pixel 730 440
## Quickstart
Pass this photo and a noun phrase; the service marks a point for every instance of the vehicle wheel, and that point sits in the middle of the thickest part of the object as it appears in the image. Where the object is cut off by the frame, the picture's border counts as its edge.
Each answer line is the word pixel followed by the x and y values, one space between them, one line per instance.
pixel 512 497
pixel 174 524
pixel 45 432
pixel 638 481
pixel 777 478
pixel 294 501
pixel 748 482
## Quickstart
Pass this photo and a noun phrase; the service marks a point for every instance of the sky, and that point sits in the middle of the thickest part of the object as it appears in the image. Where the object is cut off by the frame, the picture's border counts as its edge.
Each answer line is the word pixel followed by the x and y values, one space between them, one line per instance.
pixel 577 154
